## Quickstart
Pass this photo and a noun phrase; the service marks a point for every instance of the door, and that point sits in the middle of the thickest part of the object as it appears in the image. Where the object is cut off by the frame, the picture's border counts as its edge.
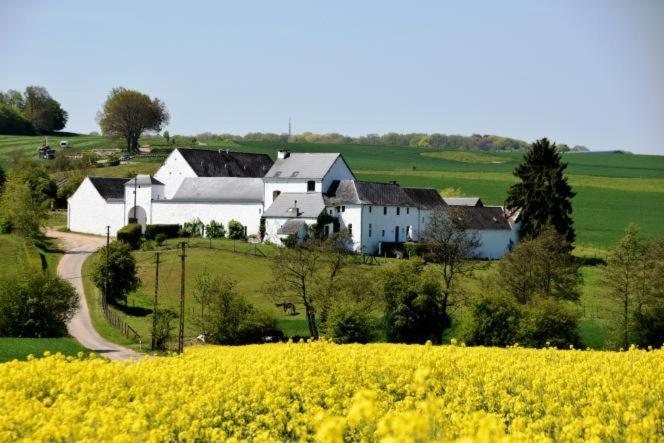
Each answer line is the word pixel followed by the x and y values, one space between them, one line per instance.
pixel 396 234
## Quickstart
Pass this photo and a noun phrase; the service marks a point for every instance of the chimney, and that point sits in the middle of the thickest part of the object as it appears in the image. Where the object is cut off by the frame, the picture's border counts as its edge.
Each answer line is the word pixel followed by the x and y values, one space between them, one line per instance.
pixel 282 154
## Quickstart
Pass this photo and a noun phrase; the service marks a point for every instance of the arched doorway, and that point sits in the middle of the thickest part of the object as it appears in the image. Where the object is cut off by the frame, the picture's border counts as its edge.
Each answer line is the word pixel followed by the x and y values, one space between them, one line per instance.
pixel 140 216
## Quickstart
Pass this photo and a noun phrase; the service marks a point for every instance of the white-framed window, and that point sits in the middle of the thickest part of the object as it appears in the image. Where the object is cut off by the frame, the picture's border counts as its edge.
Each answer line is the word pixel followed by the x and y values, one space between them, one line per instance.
pixel 383 233
pixel 370 208
pixel 384 210
pixel 369 229
pixel 407 210
pixel 398 210
pixel 350 229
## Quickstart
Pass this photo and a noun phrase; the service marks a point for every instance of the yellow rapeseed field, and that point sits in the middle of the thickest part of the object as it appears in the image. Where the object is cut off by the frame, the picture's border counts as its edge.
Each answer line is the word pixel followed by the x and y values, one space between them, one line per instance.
pixel 327 392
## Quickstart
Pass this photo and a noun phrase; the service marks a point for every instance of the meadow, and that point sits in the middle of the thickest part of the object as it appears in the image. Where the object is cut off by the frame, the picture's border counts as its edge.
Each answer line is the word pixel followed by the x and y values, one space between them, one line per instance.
pixel 332 393
pixel 16 348
pixel 612 189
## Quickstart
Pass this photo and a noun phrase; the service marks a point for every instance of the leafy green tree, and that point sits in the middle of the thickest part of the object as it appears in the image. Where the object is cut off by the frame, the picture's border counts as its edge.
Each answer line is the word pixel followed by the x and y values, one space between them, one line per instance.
pixel 129 114
pixel 349 324
pixel 413 308
pixel 542 194
pixel 35 304
pixel 215 230
pixel 21 208
pixel 541 266
pixel 163 328
pixel 634 281
pixel 548 322
pixel 492 321
pixel 122 276
pixel 167 136
pixel 14 122
pixel 45 114
pixel 230 319
pixel 235 230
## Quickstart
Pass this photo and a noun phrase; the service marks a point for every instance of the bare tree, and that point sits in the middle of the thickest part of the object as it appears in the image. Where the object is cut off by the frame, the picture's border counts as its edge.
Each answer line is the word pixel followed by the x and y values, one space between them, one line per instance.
pixel 451 246
pixel 294 271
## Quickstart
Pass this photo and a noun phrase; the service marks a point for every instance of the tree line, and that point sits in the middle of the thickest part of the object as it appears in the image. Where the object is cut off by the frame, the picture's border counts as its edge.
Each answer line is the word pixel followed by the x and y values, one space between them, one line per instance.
pixel 31 112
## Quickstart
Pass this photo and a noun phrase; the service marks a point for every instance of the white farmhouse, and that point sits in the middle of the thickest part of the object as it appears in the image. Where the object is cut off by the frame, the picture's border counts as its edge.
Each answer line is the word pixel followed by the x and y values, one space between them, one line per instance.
pixel 289 194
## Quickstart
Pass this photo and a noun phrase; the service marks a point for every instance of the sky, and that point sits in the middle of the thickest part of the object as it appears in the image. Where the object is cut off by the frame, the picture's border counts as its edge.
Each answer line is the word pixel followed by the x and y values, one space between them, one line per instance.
pixel 578 72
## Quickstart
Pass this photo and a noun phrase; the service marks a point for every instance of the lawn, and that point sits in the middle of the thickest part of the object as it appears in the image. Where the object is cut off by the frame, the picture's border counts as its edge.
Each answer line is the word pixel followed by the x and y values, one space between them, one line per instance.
pixel 12 348
pixel 19 254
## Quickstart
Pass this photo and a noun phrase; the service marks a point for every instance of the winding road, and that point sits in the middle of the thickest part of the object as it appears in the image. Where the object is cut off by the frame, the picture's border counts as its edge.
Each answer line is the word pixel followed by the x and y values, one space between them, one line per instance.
pixel 78 247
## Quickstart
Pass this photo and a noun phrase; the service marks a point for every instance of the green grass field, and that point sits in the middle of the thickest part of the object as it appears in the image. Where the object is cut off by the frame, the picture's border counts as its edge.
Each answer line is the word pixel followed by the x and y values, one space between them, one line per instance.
pixel 12 348
pixel 612 189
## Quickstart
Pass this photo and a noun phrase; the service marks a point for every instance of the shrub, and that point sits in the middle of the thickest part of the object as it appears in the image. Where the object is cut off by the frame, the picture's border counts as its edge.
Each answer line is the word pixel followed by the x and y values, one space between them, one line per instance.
pixel 290 241
pixel 492 321
pixel 131 235
pixel 235 230
pixel 349 324
pixel 170 231
pixel 163 328
pixel 5 226
pixel 547 321
pixel 649 326
pixel 215 229
pixel 193 228
pixel 36 304
pixel 122 278
pixel 160 239
pixel 262 229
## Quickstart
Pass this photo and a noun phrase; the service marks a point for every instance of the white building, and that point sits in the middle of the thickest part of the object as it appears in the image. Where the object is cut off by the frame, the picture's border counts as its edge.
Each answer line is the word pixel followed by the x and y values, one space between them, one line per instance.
pixel 290 195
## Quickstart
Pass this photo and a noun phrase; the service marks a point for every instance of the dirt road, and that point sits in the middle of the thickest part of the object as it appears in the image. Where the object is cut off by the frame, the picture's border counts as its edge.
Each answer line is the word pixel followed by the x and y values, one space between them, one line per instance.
pixel 78 247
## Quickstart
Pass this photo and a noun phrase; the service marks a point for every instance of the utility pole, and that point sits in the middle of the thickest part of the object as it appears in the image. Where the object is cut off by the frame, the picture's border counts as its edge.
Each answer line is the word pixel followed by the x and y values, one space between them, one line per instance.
pixel 154 308
pixel 104 302
pixel 181 333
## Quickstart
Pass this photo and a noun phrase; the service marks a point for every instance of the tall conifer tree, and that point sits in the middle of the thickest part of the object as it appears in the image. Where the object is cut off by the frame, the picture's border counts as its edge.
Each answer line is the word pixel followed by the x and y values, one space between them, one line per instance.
pixel 542 194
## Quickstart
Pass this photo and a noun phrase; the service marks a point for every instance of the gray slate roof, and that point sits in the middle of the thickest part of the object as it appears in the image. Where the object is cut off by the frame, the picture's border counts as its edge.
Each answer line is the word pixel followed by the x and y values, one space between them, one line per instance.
pixel 222 163
pixel 382 194
pixel 143 180
pixel 309 205
pixel 292 226
pixel 109 187
pixel 463 201
pixel 304 166
pixel 481 217
pixel 220 189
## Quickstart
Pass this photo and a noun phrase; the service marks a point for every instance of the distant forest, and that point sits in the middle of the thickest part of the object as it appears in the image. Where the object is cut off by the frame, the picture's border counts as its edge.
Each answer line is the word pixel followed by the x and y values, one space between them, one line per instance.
pixel 475 142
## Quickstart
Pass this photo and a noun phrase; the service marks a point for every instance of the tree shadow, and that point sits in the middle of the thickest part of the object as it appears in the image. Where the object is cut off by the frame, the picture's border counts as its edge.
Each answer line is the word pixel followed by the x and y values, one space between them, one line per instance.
pixel 133 311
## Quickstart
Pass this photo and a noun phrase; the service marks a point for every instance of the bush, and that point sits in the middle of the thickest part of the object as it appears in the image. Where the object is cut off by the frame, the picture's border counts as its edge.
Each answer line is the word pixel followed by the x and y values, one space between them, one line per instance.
pixel 170 231
pixel 163 329
pixel 348 324
pixel 35 304
pixel 235 230
pixel 547 321
pixel 290 241
pixel 193 228
pixel 493 321
pixel 5 226
pixel 649 326
pixel 131 235
pixel 215 230
pixel 160 239
pixel 122 278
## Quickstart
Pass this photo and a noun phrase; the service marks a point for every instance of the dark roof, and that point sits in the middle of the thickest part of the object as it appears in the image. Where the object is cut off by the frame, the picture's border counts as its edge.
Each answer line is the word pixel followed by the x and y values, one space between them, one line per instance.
pixel 463 201
pixel 222 163
pixel 427 198
pixel 109 187
pixel 143 180
pixel 291 226
pixel 386 194
pixel 481 217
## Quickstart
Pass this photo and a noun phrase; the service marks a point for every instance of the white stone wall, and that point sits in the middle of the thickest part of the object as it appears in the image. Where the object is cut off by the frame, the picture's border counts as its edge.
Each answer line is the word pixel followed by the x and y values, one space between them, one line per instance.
pixel 169 212
pixel 338 171
pixel 174 169
pixel 272 226
pixel 383 226
pixel 88 212
pixel 496 243
pixel 285 186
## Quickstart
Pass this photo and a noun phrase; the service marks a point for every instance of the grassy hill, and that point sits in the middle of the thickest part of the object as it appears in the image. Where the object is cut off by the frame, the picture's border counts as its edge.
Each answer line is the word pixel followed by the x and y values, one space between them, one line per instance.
pixel 612 189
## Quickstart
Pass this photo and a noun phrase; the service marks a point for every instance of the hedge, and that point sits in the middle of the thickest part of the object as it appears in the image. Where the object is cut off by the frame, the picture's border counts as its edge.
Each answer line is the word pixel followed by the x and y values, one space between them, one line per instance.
pixel 170 231
pixel 130 234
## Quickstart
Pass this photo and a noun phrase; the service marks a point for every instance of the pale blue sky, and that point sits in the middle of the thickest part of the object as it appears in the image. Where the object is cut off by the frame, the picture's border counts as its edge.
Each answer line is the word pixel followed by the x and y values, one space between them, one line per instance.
pixel 580 72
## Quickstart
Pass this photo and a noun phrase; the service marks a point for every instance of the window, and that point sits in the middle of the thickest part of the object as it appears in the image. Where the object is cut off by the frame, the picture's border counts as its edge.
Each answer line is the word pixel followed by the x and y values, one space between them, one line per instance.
pixel 338 208
pixel 422 219
pixel 385 210
pixel 407 210
pixel 383 233
pixel 260 210
pixel 343 209
pixel 350 229
pixel 275 194
pixel 311 186
pixel 398 210
pixel 369 229
pixel 370 208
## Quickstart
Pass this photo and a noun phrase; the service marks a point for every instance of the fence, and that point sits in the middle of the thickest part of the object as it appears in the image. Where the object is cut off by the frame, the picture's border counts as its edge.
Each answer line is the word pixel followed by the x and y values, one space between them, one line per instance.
pixel 117 322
